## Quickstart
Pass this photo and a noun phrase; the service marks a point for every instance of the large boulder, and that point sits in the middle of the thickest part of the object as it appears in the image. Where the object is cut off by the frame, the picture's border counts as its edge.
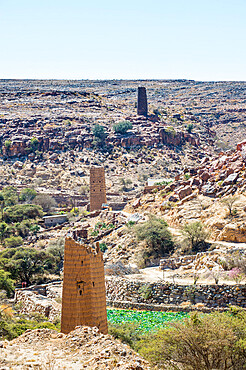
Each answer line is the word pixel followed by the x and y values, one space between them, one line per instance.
pixel 184 192
pixel 233 233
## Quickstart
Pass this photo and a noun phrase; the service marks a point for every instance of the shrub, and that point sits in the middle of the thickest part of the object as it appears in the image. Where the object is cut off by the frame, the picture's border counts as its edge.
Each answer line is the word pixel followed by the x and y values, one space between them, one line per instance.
pixel 189 127
pixel 170 131
pixel 9 195
pixel 126 332
pixel 157 236
pixel 3 230
pixel 20 212
pixel 234 260
pixel 99 135
pixel 122 127
pixel 236 274
pixel 27 195
pixel 34 144
pixel 215 341
pixel 46 202
pixel 25 263
pixel 195 235
pixel 6 283
pixel 13 241
pixel 229 202
pixel 103 247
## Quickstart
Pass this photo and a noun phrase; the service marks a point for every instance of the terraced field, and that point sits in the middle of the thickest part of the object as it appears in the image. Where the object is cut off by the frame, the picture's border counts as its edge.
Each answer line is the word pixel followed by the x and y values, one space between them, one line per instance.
pixel 145 320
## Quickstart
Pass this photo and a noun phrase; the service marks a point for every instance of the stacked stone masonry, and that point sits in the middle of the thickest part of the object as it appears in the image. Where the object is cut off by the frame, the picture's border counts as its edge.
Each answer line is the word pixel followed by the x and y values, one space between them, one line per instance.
pixel 97 188
pixel 120 289
pixel 84 297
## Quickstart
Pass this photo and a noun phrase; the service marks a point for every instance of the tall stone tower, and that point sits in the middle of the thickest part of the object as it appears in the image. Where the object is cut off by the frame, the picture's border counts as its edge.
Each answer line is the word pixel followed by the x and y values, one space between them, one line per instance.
pixel 83 296
pixel 97 188
pixel 142 102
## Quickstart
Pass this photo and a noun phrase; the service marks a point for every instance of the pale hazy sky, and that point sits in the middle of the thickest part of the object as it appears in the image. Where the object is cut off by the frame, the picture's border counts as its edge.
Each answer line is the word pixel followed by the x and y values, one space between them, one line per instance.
pixel 130 39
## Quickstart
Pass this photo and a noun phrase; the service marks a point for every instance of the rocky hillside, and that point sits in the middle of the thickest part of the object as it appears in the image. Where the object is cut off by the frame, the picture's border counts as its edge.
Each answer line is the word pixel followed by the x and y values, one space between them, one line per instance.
pixel 83 348
pixel 47 141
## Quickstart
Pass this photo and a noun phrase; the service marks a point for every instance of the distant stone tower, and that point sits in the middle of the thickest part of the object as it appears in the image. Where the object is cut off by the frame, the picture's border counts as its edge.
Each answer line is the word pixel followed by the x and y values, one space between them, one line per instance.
pixel 84 295
pixel 142 102
pixel 97 188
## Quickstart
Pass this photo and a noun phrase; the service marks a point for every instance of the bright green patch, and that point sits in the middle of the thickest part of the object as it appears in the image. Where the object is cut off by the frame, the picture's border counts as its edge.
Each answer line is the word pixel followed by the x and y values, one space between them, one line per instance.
pixel 145 320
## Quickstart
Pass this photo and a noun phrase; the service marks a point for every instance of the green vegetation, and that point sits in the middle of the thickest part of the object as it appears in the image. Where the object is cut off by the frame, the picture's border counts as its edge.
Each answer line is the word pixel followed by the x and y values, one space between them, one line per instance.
pixel 122 127
pixel 33 144
pixel 187 176
pixel 170 131
pixel 100 135
pixel 126 184
pixel 6 283
pixel 18 217
pixel 190 127
pixel 229 203
pixel 9 196
pixel 103 247
pixel 204 342
pixel 146 321
pixel 195 236
pixel 132 326
pixel 157 236
pixel 7 145
pixel 27 195
pixel 13 324
pixel 26 264
pixel 20 212
pixel 164 182
pixel 13 241
pixel 46 202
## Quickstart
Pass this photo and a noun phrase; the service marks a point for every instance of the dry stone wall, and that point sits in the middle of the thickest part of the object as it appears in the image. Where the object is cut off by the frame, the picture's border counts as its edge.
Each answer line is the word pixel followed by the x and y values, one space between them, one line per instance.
pixel 30 301
pixel 123 290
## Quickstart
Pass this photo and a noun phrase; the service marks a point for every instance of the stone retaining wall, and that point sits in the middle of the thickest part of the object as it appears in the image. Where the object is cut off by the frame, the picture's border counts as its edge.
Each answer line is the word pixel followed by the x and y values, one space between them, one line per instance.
pixel 163 308
pixel 121 289
pixel 33 302
pixel 123 293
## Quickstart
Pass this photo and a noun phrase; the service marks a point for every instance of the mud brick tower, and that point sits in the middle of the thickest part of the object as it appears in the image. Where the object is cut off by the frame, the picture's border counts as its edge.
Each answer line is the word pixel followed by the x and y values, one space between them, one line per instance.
pixel 97 188
pixel 142 102
pixel 83 296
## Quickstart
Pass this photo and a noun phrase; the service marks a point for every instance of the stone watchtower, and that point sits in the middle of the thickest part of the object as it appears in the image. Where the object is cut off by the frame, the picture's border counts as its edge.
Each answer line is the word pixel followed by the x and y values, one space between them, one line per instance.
pixel 97 188
pixel 83 296
pixel 142 102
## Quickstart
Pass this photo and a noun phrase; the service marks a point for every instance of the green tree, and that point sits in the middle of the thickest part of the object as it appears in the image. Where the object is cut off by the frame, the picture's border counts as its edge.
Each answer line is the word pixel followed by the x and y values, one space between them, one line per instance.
pixel 23 228
pixel 204 342
pixel 7 145
pixel 13 241
pixel 20 212
pixel 6 283
pixel 122 127
pixel 3 231
pixel 190 127
pixel 99 135
pixel 229 203
pixel 34 144
pixel 47 203
pixel 27 195
pixel 195 236
pixel 25 263
pixel 157 236
pixel 1 204
pixel 9 195
pixel 56 249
